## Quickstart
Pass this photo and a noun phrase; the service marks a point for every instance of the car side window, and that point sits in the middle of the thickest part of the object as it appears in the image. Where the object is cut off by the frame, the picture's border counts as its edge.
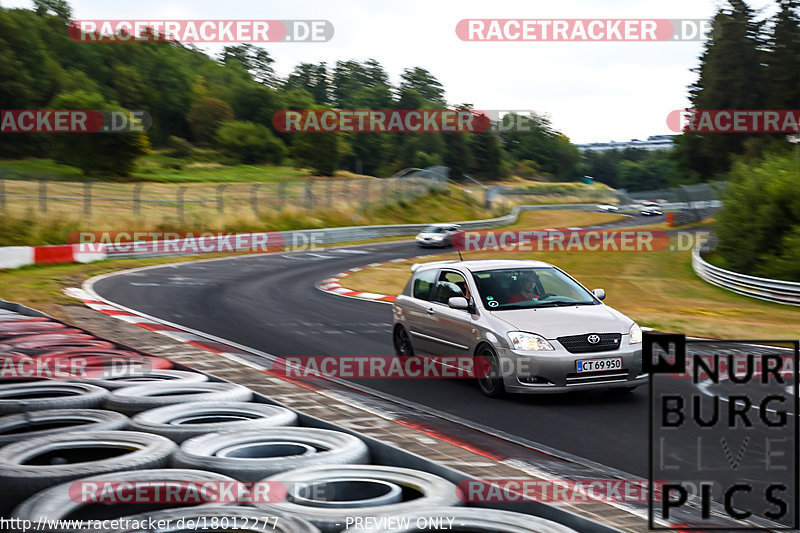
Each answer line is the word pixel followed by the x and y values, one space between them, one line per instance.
pixel 423 283
pixel 449 285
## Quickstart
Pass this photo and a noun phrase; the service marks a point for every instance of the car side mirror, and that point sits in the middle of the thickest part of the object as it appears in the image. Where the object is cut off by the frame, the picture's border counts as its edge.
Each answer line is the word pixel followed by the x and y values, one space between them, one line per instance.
pixel 458 302
pixel 600 294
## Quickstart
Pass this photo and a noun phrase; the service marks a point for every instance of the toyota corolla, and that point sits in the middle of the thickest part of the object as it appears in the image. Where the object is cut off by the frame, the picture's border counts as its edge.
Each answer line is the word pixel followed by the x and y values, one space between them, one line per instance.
pixel 529 325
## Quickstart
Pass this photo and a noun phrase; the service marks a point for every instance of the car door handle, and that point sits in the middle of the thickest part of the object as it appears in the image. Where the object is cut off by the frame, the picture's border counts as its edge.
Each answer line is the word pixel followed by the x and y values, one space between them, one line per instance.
pixel 429 310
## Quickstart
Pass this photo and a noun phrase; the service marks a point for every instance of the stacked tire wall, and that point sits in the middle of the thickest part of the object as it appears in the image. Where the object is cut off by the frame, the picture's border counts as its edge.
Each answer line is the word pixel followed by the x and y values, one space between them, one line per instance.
pixel 161 426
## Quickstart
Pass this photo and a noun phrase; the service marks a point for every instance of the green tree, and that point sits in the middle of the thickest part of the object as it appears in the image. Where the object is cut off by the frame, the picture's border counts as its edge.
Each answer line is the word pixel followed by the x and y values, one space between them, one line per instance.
pixel 206 116
pixel 782 70
pixel 759 224
pixel 256 61
pixel 351 79
pixel 97 154
pixel 322 152
pixel 247 142
pixel 422 81
pixel 311 78
pixel 730 76
pixel 533 138
pixel 59 8
pixel 487 155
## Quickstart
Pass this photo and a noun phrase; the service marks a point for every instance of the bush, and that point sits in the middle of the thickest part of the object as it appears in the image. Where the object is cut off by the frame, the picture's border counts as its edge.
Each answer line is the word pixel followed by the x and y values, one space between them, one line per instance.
pixel 526 169
pixel 759 223
pixel 247 142
pixel 179 147
pixel 319 151
pixel 206 116
pixel 96 154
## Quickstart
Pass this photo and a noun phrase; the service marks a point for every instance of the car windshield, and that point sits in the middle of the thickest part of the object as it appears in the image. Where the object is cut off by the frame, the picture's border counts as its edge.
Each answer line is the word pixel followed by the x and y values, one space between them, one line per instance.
pixel 434 229
pixel 522 288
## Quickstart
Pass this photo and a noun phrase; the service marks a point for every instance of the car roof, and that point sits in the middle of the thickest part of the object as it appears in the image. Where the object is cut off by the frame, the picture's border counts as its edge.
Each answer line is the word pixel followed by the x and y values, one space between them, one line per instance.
pixel 482 265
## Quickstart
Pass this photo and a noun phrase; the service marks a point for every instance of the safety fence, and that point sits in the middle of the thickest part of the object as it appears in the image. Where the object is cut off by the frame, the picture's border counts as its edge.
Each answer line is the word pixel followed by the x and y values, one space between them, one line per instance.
pixel 41 193
pixel 771 290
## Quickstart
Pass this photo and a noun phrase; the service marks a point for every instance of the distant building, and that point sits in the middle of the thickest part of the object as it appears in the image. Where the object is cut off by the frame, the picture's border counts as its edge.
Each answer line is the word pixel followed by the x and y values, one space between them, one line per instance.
pixel 654 142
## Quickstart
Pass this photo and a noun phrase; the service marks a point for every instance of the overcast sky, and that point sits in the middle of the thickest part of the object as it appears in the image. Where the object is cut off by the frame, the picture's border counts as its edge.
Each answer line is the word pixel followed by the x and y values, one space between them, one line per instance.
pixel 592 91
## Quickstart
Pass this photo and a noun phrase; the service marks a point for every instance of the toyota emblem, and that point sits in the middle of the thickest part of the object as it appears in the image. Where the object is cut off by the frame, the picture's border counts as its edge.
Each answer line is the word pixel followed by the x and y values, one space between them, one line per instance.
pixel 593 339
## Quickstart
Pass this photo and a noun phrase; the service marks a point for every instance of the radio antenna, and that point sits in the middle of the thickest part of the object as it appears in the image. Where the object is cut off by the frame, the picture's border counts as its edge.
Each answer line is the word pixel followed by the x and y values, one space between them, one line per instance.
pixel 459 255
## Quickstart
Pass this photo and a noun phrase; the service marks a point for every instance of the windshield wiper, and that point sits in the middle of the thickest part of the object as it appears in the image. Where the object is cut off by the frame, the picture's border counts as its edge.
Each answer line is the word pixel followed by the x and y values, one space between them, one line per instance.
pixel 561 304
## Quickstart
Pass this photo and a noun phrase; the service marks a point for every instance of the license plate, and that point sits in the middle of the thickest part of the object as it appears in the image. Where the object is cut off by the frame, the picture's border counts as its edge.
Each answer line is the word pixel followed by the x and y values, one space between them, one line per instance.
pixel 597 365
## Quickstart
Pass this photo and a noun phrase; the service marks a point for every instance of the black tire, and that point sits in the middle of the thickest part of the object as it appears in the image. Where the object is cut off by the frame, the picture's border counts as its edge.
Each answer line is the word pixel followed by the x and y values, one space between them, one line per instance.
pixel 422 491
pixel 59 502
pixel 132 400
pixel 41 395
pixel 24 426
pixel 323 447
pixel 152 376
pixel 490 378
pixel 402 342
pixel 184 421
pixel 29 466
pixel 473 520
pixel 245 518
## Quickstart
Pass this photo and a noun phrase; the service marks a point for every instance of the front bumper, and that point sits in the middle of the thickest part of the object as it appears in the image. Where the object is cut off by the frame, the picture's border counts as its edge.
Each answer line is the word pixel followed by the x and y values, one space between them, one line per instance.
pixel 432 243
pixel 556 371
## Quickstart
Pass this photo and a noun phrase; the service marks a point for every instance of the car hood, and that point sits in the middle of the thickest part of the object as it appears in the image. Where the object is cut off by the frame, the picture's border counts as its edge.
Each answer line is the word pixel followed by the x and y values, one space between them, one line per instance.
pixel 553 322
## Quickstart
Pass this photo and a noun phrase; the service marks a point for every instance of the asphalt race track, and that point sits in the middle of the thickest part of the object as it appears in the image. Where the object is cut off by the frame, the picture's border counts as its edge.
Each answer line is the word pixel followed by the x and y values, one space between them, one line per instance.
pixel 270 303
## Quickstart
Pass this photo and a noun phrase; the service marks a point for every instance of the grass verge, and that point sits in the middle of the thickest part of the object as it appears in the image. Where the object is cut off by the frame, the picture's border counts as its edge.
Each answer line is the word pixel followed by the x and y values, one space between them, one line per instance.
pixel 42 286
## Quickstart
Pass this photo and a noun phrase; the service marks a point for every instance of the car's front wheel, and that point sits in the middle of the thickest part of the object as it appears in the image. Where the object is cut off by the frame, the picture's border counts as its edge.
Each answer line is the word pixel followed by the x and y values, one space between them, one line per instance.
pixel 402 342
pixel 487 372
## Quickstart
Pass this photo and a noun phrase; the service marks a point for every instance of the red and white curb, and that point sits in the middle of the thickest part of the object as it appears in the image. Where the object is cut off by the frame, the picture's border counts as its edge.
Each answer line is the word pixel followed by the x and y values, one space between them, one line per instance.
pixel 19 256
pixel 333 286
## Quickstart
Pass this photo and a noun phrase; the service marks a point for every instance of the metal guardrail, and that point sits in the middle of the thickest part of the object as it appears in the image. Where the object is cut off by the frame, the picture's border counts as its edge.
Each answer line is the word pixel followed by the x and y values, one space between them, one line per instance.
pixel 333 235
pixel 771 290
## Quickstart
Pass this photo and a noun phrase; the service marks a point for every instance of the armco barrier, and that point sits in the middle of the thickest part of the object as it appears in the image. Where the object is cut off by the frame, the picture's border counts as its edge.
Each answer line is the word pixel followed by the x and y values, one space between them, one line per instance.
pixel 16 256
pixel 338 235
pixel 363 233
pixel 771 290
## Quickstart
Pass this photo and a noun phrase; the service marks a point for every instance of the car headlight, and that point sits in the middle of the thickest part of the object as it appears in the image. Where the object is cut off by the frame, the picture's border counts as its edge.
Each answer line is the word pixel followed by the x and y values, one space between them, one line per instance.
pixel 529 342
pixel 635 334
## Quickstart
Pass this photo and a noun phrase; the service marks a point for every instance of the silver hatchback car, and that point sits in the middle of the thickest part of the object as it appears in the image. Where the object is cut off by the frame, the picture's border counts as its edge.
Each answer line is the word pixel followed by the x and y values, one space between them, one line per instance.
pixel 528 324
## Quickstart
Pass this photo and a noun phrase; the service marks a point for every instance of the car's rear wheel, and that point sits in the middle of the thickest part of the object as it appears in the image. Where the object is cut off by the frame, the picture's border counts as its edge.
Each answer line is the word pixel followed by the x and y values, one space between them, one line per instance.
pixel 487 370
pixel 402 342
